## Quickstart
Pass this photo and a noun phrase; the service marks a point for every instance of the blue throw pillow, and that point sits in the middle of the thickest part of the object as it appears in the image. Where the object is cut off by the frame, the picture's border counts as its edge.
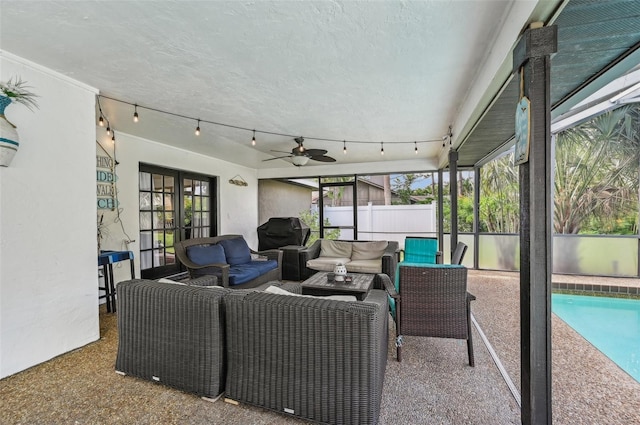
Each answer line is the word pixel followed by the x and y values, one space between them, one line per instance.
pixel 206 254
pixel 236 250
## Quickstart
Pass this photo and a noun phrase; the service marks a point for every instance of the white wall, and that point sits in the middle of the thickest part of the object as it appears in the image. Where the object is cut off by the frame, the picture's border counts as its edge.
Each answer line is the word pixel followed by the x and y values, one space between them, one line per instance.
pixel 48 279
pixel 237 205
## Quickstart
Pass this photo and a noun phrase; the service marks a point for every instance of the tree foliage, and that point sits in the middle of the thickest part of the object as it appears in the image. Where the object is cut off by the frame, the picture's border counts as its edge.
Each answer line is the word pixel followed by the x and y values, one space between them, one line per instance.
pixel 596 174
pixel 312 219
pixel 499 196
pixel 596 182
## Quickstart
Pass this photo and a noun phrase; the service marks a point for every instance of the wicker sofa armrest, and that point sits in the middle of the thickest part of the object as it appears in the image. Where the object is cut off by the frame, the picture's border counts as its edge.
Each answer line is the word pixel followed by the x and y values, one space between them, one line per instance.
pixel 382 281
pixel 309 253
pixel 221 270
pixel 271 254
pixel 390 259
pixel 379 297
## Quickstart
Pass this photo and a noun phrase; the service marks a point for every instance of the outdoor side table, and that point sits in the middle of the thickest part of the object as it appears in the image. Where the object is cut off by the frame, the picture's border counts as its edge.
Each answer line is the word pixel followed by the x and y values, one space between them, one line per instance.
pixel 106 260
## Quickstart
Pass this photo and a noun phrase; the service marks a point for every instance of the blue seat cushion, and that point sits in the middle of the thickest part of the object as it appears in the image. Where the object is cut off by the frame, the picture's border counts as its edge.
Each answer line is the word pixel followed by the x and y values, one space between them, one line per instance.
pixel 420 250
pixel 206 254
pixel 236 250
pixel 242 273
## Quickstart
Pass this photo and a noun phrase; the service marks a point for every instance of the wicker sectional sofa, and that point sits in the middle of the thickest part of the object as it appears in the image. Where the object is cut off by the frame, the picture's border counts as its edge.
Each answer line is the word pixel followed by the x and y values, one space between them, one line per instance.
pixel 357 256
pixel 293 354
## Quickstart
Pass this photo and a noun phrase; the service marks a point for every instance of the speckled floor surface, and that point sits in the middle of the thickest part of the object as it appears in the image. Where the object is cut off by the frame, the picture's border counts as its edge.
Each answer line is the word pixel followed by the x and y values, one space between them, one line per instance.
pixel 432 385
pixel 588 388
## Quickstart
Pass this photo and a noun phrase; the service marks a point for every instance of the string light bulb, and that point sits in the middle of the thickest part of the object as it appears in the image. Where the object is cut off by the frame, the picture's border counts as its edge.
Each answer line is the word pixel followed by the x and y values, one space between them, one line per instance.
pixel 104 121
pixel 113 138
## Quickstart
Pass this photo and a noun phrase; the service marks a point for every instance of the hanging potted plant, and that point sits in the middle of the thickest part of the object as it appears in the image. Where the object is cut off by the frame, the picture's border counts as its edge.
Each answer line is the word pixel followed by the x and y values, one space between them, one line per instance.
pixel 15 90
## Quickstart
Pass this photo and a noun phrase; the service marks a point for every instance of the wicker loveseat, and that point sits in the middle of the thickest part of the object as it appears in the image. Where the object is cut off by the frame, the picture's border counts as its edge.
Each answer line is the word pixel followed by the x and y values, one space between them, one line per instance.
pixel 315 358
pixel 357 256
pixel 230 259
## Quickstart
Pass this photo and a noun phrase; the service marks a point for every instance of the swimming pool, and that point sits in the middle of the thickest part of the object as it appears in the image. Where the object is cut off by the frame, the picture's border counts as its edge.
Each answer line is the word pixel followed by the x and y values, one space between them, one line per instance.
pixel 612 325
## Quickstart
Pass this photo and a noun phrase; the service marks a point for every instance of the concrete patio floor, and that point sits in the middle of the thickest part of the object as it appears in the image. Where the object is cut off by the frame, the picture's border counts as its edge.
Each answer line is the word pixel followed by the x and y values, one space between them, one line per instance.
pixel 432 385
pixel 588 388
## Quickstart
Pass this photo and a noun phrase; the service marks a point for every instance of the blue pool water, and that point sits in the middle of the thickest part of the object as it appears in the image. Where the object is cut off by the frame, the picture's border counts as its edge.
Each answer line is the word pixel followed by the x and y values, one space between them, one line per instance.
pixel 612 325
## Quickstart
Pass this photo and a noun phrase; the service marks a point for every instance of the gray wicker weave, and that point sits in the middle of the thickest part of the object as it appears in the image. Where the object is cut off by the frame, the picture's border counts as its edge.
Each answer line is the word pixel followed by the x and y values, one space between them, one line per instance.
pixel 172 334
pixel 434 302
pixel 318 359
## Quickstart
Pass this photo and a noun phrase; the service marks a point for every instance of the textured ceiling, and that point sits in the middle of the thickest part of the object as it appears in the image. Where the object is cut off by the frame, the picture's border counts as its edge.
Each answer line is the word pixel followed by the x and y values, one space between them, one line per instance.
pixel 391 71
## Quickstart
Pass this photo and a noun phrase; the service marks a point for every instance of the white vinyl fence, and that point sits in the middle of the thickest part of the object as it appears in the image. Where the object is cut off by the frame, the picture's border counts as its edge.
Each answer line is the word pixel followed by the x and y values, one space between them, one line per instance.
pixel 385 222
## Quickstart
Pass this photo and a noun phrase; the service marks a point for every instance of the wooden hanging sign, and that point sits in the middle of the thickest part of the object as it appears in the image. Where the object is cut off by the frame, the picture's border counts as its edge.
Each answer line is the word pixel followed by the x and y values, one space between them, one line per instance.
pixel 523 131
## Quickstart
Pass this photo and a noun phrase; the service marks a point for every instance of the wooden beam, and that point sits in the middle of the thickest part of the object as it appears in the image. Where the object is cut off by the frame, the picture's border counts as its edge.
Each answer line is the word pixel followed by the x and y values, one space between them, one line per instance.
pixel 531 59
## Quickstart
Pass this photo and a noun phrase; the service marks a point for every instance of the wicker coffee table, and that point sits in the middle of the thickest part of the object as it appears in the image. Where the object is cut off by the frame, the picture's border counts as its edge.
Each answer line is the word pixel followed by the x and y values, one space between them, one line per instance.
pixel 319 285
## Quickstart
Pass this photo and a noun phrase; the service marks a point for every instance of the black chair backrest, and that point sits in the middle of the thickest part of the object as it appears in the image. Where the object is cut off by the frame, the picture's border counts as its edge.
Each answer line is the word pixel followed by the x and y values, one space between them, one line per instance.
pixel 458 254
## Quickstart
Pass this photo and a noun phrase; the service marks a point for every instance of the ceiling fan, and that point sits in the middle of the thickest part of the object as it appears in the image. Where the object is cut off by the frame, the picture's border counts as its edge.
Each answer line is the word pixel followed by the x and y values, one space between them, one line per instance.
pixel 300 155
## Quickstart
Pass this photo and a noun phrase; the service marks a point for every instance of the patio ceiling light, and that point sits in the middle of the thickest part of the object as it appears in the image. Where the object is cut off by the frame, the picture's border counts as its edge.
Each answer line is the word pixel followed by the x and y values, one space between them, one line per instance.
pixel 300 160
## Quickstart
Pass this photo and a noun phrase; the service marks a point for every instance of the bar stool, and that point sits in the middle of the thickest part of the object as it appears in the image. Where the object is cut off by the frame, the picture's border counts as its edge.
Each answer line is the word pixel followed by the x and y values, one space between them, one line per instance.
pixel 106 260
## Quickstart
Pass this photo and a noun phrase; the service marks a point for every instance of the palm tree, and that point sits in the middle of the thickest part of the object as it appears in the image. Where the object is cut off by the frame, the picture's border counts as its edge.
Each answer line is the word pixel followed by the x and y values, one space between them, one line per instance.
pixel 593 163
pixel 592 167
pixel 499 205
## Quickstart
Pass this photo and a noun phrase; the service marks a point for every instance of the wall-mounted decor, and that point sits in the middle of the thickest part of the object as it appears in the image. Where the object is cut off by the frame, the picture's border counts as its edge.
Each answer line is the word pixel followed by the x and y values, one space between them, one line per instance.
pixel 106 179
pixel 16 91
pixel 238 180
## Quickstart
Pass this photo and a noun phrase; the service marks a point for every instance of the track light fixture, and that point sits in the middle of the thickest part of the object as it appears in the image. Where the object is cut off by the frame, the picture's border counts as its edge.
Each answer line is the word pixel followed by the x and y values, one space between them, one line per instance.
pixel 198 128
pixel 135 113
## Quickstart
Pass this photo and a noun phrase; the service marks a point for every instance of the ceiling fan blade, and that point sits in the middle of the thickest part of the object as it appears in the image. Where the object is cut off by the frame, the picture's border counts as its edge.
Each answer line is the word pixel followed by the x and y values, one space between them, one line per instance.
pixel 323 158
pixel 278 157
pixel 315 152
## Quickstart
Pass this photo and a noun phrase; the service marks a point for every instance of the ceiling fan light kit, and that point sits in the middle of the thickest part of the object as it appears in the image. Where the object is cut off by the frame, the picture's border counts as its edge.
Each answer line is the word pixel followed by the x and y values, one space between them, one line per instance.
pixel 300 155
pixel 300 160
